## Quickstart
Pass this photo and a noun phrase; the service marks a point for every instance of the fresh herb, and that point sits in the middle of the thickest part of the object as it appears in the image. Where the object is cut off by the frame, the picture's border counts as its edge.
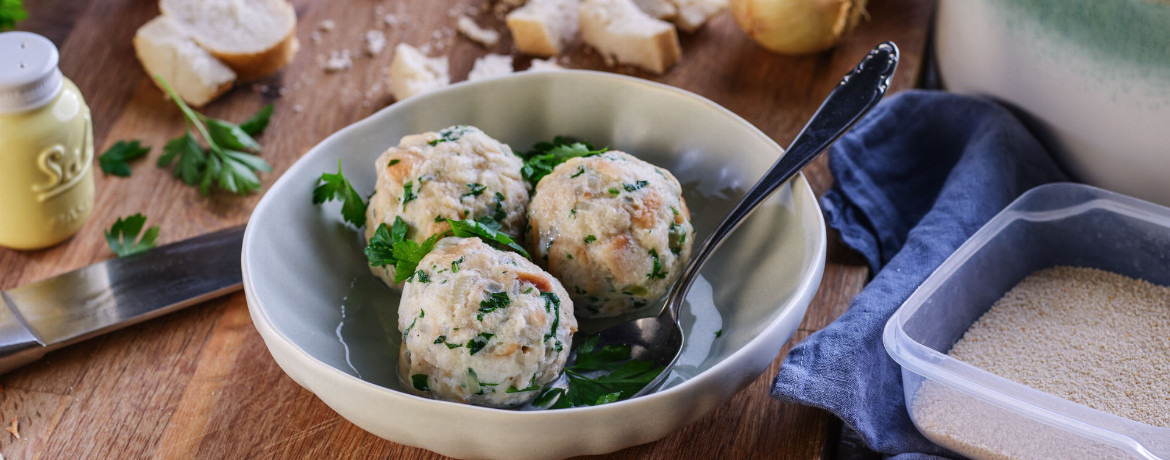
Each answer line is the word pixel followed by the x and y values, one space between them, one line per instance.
pixel 455 265
pixel 450 134
pixel 552 304
pixel 421 313
pixel 122 235
pixel 259 122
pixel 676 237
pixel 420 382
pixel 422 277
pixel 545 156
pixel 656 272
pixel 389 246
pixel 337 187
pixel 590 239
pixel 573 212
pixel 499 215
pixel 393 162
pixel 494 301
pixel 636 186
pixel 614 191
pixel 443 340
pixel 580 171
pixel 113 161
pixel 478 342
pixel 719 333
pixel 568 256
pixel 11 12
pixel 619 377
pixel 470 228
pixel 674 210
pixel 408 194
pixel 228 162
pixel 476 190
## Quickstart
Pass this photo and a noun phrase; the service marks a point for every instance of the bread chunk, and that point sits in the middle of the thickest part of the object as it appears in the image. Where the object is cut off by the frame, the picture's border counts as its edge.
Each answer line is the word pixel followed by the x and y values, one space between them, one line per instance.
pixel 166 50
pixel 253 37
pixel 622 32
pixel 491 65
pixel 543 27
pixel 414 73
pixel 688 15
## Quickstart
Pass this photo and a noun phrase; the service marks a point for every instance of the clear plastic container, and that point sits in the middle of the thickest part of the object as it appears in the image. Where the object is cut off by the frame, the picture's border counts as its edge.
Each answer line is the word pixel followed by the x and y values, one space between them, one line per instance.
pixel 981 415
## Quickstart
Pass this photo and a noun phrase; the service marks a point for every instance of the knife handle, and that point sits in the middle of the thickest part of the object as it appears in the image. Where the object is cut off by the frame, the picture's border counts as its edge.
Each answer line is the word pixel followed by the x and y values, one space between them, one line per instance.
pixel 18 346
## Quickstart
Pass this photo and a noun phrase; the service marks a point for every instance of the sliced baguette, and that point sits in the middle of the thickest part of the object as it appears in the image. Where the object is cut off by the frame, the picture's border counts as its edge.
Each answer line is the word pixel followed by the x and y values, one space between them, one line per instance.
pixel 543 27
pixel 253 37
pixel 165 49
pixel 622 32
pixel 413 73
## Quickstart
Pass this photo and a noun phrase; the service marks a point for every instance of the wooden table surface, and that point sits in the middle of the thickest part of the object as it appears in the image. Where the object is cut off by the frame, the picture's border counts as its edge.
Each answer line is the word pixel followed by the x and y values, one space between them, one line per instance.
pixel 200 384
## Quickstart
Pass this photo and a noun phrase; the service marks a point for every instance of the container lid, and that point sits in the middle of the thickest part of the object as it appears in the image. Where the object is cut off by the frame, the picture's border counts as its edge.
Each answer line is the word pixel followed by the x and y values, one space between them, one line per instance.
pixel 29 77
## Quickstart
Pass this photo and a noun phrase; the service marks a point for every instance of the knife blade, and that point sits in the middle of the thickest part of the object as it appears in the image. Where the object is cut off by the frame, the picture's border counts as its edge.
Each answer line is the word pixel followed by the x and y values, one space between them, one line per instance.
pixel 52 313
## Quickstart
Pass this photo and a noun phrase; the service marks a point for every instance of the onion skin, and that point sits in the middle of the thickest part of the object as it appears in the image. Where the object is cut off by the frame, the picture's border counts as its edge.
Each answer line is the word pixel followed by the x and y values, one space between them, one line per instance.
pixel 797 26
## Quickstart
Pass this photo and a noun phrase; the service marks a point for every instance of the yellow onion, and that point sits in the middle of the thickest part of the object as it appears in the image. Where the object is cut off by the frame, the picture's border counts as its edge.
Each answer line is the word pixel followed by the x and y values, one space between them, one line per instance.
pixel 797 26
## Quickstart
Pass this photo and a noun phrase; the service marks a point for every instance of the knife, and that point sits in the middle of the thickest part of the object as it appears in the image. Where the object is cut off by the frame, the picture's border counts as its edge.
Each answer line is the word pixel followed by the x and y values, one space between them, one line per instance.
pixel 49 314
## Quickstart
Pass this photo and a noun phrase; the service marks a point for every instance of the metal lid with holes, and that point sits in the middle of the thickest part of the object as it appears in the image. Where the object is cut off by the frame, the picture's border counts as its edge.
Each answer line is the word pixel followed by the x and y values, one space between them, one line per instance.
pixel 29 77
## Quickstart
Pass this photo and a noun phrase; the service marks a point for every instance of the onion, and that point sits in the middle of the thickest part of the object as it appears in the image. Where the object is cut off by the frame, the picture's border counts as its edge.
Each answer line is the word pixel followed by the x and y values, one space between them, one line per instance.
pixel 797 26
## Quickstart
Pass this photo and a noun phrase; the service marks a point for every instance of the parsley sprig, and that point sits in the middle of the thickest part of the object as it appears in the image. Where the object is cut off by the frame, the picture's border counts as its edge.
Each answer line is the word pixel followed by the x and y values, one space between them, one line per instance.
pixel 600 375
pixel 337 187
pixel 545 156
pixel 11 12
pixel 390 246
pixel 113 161
pixel 123 236
pixel 228 162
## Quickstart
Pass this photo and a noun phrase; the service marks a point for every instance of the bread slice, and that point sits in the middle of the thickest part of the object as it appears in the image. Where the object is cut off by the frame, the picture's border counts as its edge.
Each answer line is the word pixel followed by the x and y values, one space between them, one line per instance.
pixel 621 31
pixel 543 27
pixel 413 73
pixel 165 49
pixel 253 37
pixel 688 15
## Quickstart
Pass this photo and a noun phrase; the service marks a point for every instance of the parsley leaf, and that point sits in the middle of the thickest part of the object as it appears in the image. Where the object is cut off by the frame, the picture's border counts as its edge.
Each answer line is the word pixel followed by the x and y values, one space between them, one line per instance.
pixel 476 190
pixel 113 161
pixel 389 246
pixel 228 162
pixel 259 122
pixel 470 228
pixel 420 382
pixel 656 270
pixel 493 302
pixel 11 12
pixel 337 187
pixel 478 342
pixel 122 235
pixel 408 193
pixel 636 186
pixel 450 134
pixel 545 156
pixel 616 377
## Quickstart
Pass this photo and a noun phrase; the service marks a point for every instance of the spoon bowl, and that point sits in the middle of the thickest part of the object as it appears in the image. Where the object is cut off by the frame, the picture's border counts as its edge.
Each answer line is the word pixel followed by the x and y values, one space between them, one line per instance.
pixel 660 338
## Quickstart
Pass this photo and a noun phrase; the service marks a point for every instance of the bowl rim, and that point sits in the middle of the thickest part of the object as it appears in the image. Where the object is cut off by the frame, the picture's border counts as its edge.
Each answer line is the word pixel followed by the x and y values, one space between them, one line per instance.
pixel 802 292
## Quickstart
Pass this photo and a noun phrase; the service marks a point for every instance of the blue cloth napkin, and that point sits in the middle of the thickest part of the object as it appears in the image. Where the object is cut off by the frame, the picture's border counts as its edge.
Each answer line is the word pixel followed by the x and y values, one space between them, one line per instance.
pixel 913 180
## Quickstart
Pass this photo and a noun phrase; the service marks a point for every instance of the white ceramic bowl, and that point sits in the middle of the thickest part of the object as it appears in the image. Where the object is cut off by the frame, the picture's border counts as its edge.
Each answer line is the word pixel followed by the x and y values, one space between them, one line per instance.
pixel 1091 78
pixel 333 327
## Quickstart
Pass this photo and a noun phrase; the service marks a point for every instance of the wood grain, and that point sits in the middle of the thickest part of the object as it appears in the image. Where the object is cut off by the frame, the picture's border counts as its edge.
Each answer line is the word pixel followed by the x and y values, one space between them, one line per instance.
pixel 200 384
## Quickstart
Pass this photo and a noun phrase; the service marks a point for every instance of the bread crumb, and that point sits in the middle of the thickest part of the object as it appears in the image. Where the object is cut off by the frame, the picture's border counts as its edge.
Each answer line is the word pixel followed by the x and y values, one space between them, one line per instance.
pixel 492 65
pixel 337 61
pixel 326 25
pixel 315 37
pixel 298 108
pixel 390 20
pixel 486 37
pixel 14 428
pixel 544 65
pixel 375 42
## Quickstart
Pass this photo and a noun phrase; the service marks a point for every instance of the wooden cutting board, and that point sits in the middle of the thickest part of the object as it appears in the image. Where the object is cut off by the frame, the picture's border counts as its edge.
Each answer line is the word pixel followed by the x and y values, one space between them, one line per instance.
pixel 200 384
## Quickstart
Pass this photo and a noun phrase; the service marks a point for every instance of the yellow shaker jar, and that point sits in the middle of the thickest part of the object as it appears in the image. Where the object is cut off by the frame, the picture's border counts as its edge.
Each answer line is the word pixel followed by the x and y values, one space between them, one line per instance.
pixel 46 146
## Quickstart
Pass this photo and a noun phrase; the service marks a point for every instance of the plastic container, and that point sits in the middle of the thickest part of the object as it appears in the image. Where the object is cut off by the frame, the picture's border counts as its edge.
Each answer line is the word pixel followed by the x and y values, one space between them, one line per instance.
pixel 981 415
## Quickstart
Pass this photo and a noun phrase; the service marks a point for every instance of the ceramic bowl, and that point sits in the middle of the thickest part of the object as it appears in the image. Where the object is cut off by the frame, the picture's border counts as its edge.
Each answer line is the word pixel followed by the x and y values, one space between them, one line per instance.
pixel 1091 78
pixel 332 326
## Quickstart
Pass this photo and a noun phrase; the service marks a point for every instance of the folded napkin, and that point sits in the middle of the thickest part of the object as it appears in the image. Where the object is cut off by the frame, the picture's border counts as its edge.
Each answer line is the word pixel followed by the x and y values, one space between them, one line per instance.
pixel 913 180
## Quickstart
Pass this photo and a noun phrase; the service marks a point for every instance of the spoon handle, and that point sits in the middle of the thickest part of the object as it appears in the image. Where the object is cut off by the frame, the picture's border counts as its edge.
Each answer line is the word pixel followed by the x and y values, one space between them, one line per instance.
pixel 855 94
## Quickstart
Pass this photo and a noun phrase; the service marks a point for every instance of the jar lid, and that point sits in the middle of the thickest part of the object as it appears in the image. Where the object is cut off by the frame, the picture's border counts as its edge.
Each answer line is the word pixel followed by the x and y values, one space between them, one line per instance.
pixel 29 77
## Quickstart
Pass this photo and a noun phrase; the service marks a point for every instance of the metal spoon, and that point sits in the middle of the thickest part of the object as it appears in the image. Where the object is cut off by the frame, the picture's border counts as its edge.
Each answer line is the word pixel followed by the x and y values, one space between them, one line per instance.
pixel 660 338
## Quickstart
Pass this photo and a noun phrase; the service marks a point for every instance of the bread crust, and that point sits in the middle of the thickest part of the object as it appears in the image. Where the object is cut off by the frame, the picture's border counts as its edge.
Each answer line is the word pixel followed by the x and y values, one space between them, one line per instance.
pixel 254 66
